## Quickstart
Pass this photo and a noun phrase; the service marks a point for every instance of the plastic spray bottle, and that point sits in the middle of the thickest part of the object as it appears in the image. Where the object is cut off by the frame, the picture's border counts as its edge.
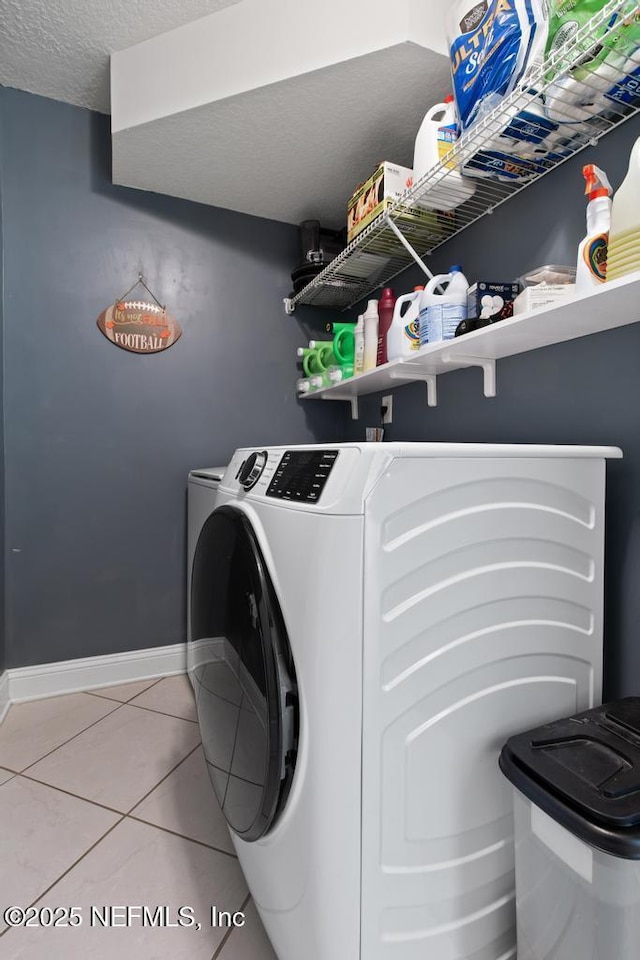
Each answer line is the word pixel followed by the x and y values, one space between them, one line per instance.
pixel 591 269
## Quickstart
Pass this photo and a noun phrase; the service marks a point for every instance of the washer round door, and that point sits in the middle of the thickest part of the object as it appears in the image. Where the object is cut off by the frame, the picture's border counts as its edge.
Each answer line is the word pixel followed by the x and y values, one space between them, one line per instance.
pixel 243 675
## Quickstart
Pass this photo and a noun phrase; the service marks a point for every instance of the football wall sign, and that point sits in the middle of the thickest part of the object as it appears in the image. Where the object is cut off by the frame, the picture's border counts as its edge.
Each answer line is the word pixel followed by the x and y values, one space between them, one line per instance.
pixel 139 326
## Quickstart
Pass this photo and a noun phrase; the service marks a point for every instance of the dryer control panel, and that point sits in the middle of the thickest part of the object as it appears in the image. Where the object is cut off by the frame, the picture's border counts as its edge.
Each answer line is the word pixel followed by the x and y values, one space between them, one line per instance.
pixel 302 474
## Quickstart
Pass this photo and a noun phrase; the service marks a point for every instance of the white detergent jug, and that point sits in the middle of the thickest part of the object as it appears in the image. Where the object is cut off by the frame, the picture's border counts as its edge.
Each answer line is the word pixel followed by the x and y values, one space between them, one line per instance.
pixel 403 338
pixel 624 235
pixel 436 136
pixel 440 313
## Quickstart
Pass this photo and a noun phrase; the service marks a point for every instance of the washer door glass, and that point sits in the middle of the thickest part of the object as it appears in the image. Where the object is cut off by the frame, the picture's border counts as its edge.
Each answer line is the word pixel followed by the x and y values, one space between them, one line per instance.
pixel 243 675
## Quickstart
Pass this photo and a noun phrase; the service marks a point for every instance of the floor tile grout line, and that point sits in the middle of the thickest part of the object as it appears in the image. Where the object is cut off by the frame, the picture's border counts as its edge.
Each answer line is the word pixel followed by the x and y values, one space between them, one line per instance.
pixel 173 769
pixel 103 806
pixel 11 770
pixel 181 836
pixel 163 713
pixel 74 737
pixel 224 940
pixel 69 793
pixel 70 868
pixel 103 696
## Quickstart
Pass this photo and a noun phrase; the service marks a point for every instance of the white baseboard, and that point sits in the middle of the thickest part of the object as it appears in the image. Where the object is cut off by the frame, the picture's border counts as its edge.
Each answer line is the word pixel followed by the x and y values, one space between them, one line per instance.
pixel 91 673
pixel 4 694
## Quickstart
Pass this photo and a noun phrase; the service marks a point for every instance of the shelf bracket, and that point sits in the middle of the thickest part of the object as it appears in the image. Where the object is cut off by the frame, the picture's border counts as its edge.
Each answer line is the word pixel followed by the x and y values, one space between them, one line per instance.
pixel 289 306
pixel 430 379
pixel 405 243
pixel 488 368
pixel 352 400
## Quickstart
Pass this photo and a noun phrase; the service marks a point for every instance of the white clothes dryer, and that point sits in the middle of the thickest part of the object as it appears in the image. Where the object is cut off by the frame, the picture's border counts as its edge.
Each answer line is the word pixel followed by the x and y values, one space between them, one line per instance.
pixel 202 489
pixel 368 624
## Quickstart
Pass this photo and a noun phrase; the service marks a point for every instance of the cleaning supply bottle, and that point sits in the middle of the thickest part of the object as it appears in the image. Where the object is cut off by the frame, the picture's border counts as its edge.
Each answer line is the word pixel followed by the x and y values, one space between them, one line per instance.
pixel 403 338
pixel 308 358
pixel 343 340
pixel 385 316
pixel 624 236
pixel 324 350
pixel 316 359
pixel 441 312
pixel 340 372
pixel 303 385
pixel 370 319
pixel 358 346
pixel 437 134
pixel 591 270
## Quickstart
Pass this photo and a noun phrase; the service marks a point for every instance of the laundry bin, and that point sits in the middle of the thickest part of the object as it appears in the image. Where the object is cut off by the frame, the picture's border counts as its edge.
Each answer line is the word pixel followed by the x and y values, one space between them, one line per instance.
pixel 577 835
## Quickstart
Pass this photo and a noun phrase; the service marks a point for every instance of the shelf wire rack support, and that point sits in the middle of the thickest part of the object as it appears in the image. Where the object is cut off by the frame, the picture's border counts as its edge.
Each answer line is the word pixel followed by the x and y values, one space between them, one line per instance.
pixel 405 243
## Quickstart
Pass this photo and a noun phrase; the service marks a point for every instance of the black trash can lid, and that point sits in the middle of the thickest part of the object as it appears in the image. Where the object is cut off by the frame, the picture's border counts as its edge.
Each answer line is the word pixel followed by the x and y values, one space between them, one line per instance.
pixel 585 773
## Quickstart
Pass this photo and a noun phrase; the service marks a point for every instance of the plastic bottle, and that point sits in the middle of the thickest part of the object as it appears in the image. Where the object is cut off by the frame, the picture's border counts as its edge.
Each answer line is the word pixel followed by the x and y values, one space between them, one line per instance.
pixel 624 236
pixel 385 316
pixel 403 338
pixel 370 318
pixel 344 343
pixel 591 269
pixel 337 374
pixel 303 385
pixel 437 134
pixel 316 358
pixel 308 358
pixel 358 356
pixel 325 354
pixel 440 313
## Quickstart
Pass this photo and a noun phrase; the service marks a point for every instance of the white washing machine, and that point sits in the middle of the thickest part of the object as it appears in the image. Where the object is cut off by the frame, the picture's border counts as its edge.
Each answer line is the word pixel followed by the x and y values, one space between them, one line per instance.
pixel 369 624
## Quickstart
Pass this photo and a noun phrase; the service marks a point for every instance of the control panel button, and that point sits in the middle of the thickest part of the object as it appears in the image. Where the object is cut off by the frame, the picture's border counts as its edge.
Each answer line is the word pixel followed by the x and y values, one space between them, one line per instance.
pixel 301 475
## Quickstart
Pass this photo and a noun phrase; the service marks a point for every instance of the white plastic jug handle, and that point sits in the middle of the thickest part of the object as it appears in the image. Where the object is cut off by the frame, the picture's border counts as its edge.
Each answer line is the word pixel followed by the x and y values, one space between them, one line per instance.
pixel 400 302
pixel 438 281
pixel 437 108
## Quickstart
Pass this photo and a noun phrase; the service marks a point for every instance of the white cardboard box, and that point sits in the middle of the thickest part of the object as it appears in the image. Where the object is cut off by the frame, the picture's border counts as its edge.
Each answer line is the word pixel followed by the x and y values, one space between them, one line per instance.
pixel 542 295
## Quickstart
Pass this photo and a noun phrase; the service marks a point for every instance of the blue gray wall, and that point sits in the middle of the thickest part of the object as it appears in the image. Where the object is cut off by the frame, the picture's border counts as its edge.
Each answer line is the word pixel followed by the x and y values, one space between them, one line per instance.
pixel 98 440
pixel 585 391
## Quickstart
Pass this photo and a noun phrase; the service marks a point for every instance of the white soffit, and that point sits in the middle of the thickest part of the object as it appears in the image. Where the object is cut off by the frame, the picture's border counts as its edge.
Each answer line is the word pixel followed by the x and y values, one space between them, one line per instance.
pixel 276 109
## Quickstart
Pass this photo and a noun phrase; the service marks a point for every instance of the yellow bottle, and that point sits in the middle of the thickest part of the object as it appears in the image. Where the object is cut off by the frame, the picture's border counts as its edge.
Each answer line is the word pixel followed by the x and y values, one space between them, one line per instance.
pixel 624 236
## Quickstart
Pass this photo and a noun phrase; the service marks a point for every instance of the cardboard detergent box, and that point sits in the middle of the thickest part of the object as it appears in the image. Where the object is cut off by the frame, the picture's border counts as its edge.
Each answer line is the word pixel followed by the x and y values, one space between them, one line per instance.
pixel 541 296
pixel 491 301
pixel 383 188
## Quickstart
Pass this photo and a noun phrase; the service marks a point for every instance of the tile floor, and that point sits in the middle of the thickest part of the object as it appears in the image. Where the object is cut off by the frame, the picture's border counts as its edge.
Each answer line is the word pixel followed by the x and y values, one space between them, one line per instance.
pixel 105 801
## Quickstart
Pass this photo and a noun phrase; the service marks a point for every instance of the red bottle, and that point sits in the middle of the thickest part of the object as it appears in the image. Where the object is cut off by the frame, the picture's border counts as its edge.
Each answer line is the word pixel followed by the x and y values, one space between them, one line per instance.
pixel 385 316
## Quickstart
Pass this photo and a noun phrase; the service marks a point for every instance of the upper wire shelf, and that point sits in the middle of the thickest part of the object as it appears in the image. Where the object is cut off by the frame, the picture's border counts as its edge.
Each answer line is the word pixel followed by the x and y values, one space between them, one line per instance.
pixel 584 110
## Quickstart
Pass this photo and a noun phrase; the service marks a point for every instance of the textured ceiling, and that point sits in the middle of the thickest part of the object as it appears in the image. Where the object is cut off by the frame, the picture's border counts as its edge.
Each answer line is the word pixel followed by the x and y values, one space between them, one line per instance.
pixel 293 150
pixel 60 48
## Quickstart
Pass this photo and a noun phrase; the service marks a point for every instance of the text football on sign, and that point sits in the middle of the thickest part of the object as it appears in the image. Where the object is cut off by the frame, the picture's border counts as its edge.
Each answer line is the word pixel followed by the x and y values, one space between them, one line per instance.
pixel 139 326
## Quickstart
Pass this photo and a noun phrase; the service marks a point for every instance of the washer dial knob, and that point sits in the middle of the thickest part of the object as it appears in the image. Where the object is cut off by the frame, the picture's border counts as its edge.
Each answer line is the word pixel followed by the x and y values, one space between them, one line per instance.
pixel 251 469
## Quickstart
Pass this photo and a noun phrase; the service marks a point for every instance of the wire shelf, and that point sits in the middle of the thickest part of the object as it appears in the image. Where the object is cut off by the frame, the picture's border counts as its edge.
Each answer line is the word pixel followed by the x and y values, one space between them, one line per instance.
pixel 505 152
